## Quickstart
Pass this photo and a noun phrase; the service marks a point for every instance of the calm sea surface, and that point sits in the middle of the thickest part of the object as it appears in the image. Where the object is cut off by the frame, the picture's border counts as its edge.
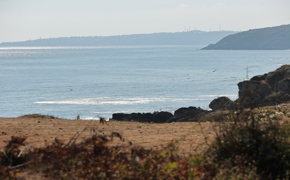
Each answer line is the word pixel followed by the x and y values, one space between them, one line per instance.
pixel 100 81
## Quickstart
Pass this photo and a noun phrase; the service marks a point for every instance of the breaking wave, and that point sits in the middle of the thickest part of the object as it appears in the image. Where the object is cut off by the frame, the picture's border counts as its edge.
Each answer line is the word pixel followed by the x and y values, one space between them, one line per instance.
pixel 116 101
pixel 231 96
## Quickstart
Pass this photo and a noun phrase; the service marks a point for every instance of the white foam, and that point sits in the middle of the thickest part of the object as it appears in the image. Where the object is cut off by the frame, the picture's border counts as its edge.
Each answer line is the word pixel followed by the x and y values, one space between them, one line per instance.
pixel 227 95
pixel 116 101
pixel 280 59
pixel 91 118
pixel 110 112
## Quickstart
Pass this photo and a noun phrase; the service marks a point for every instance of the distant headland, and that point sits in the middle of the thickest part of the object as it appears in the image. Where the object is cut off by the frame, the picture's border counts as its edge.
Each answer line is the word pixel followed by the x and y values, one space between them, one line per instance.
pixel 195 37
pixel 271 38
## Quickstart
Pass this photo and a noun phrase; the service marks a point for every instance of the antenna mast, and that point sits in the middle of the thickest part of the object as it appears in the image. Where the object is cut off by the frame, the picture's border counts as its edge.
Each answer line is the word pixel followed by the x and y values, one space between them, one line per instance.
pixel 247 71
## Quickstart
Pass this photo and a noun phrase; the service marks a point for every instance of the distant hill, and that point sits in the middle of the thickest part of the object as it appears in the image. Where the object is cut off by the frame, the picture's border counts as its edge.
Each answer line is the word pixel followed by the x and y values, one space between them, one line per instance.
pixel 178 38
pixel 271 38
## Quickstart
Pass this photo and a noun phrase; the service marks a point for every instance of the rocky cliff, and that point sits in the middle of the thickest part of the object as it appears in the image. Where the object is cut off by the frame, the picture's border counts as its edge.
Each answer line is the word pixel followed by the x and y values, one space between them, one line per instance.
pixel 262 90
pixel 268 89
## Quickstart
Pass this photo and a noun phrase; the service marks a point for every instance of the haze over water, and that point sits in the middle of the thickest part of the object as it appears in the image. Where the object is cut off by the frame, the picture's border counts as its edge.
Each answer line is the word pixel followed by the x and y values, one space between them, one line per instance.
pixel 100 81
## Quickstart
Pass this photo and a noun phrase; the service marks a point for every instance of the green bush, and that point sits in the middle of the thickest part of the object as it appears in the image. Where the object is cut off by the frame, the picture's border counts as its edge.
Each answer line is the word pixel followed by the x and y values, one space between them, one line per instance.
pixel 262 144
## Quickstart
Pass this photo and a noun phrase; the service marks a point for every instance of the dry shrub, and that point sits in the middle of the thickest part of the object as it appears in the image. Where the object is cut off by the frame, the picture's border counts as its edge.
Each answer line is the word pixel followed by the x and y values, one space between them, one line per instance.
pixel 40 116
pixel 259 141
pixel 93 159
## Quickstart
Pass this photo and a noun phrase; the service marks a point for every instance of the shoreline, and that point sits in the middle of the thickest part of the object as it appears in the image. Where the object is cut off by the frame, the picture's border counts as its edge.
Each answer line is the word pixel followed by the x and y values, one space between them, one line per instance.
pixel 42 130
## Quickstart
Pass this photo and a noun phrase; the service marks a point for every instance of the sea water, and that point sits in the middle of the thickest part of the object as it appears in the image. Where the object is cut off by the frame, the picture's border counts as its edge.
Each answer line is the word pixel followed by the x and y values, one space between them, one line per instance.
pixel 99 81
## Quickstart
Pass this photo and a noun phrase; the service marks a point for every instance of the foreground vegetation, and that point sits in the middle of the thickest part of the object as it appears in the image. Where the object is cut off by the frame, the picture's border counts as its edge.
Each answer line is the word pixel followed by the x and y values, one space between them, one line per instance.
pixel 249 144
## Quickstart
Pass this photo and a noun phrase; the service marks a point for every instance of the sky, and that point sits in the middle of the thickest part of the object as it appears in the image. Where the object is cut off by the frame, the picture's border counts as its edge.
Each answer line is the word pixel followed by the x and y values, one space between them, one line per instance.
pixel 22 20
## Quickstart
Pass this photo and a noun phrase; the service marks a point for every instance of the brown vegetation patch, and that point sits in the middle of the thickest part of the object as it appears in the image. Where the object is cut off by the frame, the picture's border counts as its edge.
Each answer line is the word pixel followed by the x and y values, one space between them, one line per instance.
pixel 38 116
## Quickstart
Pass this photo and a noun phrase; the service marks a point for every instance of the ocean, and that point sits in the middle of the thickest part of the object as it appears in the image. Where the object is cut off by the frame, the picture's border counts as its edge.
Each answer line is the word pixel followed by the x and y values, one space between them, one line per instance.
pixel 99 81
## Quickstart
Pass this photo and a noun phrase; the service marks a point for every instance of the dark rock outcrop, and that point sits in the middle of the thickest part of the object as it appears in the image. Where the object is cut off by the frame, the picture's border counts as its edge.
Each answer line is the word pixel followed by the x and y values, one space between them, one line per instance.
pixel 188 114
pixel 283 85
pixel 278 75
pixel 221 103
pixel 259 77
pixel 156 117
pixel 276 98
pixel 268 89
pixel 252 93
pixel 180 115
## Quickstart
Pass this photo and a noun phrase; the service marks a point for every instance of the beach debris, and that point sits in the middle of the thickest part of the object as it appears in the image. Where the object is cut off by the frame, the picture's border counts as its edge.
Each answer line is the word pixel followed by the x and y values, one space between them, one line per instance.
pixel 103 120
pixel 92 130
pixel 116 134
pixel 58 142
pixel 15 141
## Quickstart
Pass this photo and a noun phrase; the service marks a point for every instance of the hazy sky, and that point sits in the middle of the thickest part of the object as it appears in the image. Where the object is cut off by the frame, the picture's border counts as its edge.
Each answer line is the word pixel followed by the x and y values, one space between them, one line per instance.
pixel 31 19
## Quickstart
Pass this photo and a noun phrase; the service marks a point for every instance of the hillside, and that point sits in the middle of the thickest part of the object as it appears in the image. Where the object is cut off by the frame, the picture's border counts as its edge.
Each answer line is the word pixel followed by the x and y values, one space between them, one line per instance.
pixel 271 38
pixel 178 38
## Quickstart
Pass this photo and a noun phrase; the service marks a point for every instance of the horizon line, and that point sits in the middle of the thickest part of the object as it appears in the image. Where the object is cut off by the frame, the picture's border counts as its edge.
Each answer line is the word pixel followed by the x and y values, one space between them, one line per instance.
pixel 121 35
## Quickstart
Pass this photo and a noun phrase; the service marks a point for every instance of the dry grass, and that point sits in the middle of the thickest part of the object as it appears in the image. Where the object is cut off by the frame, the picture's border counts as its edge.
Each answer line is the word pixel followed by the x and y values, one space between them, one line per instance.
pixel 40 132
pixel 191 141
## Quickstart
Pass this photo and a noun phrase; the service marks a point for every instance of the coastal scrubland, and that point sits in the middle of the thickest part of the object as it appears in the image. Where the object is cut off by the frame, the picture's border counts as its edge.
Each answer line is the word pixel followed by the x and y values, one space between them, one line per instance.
pixel 248 143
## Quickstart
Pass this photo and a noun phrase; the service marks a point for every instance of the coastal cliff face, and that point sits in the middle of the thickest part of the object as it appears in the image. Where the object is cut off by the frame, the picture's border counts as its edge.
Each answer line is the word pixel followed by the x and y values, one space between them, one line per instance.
pixel 262 90
pixel 268 89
